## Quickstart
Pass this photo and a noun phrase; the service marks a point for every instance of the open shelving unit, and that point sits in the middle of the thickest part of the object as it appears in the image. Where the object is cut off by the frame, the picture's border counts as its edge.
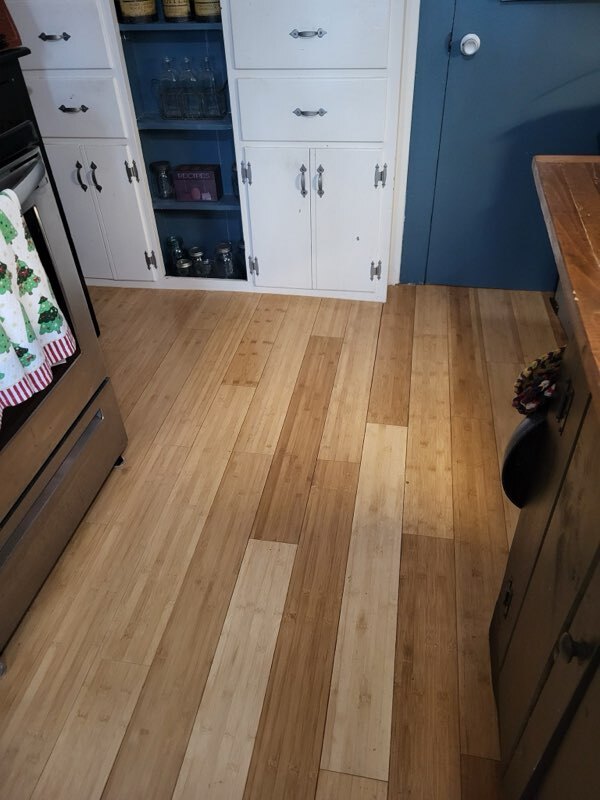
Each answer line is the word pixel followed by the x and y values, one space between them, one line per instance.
pixel 183 141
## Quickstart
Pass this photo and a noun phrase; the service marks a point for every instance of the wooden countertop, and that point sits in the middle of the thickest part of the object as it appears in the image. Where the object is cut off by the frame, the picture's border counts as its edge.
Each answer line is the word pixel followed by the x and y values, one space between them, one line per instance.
pixel 569 192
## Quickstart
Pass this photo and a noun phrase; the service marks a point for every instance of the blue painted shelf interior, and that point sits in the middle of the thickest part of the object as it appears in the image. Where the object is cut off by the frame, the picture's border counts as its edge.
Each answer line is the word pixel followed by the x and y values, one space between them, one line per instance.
pixel 203 224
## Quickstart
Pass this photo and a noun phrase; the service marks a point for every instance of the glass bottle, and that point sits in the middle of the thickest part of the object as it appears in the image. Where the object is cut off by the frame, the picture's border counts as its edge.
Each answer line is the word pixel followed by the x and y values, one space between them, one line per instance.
pixel 190 91
pixel 177 10
pixel 164 185
pixel 197 256
pixel 224 260
pixel 209 90
pixel 174 250
pixel 207 10
pixel 169 91
pixel 137 10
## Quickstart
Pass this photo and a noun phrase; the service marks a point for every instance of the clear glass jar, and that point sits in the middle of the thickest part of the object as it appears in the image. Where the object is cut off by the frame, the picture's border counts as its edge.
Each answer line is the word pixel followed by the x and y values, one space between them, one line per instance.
pixel 191 94
pixel 184 267
pixel 162 174
pixel 174 250
pixel 197 256
pixel 224 260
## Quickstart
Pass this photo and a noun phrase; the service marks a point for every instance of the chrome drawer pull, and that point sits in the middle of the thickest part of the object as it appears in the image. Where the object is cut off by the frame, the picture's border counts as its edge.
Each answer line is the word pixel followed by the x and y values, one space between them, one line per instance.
pixel 72 109
pixel 296 34
pixel 299 113
pixel 320 190
pixel 303 191
pixel 54 37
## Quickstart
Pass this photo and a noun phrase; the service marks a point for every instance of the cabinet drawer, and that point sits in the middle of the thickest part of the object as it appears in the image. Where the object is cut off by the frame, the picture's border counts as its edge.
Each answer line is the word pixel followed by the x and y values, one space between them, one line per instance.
pixel 335 109
pixel 75 38
pixel 348 34
pixel 94 100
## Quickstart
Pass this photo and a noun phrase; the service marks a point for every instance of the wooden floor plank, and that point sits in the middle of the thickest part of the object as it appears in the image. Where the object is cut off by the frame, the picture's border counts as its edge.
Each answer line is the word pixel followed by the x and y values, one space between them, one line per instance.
pixel 187 414
pixel 220 747
pixel 154 746
pixel 480 779
pixel 285 761
pixel 347 414
pixel 146 606
pixel 533 325
pixel 283 503
pixel 359 717
pixel 253 351
pixel 337 786
pixel 469 390
pixel 500 333
pixel 264 421
pixel 425 751
pixel 332 318
pixel 86 748
pixel 390 390
pixel 428 495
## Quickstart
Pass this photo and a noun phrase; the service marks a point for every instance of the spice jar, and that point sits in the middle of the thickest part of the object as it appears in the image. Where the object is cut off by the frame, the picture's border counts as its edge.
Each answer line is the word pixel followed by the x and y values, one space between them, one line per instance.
pixel 224 260
pixel 207 10
pixel 174 250
pixel 137 10
pixel 177 10
pixel 184 267
pixel 164 185
pixel 197 257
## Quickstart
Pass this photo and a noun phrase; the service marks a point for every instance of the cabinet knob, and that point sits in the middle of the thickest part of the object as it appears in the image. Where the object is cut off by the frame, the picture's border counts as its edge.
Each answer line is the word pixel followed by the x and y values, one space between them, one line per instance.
pixel 470 44
pixel 570 649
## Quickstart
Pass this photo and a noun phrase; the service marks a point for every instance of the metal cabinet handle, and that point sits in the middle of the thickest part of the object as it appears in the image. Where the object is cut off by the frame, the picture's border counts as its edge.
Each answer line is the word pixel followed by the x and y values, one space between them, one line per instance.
pixel 79 167
pixel 94 167
pixel 320 190
pixel 54 37
pixel 303 191
pixel 319 34
pixel 72 109
pixel 300 113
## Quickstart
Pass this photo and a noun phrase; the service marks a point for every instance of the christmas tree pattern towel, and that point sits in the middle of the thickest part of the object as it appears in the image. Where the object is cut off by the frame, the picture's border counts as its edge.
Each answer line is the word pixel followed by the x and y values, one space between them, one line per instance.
pixel 34 335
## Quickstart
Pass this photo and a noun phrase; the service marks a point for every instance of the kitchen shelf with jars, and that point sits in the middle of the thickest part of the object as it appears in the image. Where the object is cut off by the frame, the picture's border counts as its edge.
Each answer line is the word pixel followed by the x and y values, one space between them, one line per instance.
pixel 177 72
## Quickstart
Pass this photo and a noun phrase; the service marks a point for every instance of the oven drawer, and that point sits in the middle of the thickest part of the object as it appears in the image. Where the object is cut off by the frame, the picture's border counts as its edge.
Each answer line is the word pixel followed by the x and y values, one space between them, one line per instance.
pixel 72 34
pixel 346 34
pixel 76 106
pixel 35 534
pixel 313 109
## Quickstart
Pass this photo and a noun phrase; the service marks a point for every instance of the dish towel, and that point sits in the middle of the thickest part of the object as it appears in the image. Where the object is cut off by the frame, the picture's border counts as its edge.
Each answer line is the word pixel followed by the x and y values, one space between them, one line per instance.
pixel 34 335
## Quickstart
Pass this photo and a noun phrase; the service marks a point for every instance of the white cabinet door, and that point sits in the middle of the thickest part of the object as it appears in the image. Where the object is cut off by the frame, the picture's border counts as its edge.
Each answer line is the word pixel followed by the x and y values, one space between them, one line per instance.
pixel 348 215
pixel 120 209
pixel 286 34
pixel 80 209
pixel 280 215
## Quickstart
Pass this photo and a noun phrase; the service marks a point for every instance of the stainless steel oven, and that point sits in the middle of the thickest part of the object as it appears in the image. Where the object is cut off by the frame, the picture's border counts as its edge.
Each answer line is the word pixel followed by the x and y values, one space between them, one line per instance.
pixel 57 448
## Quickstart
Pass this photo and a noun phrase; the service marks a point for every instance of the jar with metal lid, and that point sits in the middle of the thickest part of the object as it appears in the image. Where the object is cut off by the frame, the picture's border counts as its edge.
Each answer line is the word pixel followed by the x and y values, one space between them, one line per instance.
pixel 207 10
pixel 224 260
pixel 184 267
pixel 177 10
pixel 137 10
pixel 197 256
pixel 174 250
pixel 162 173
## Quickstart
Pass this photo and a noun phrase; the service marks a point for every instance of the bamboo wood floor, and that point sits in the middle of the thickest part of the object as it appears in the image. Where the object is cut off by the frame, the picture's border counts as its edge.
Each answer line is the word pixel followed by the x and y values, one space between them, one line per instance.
pixel 285 592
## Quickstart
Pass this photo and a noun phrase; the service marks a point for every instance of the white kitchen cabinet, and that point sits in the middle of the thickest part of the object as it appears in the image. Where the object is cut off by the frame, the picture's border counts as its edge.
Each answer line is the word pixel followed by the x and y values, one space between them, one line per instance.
pixel 338 34
pixel 349 243
pixel 103 209
pixel 280 215
pixel 316 217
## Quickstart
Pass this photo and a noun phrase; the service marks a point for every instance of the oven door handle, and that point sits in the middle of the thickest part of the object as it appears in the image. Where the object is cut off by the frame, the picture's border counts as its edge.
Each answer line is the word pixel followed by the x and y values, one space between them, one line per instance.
pixel 29 182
